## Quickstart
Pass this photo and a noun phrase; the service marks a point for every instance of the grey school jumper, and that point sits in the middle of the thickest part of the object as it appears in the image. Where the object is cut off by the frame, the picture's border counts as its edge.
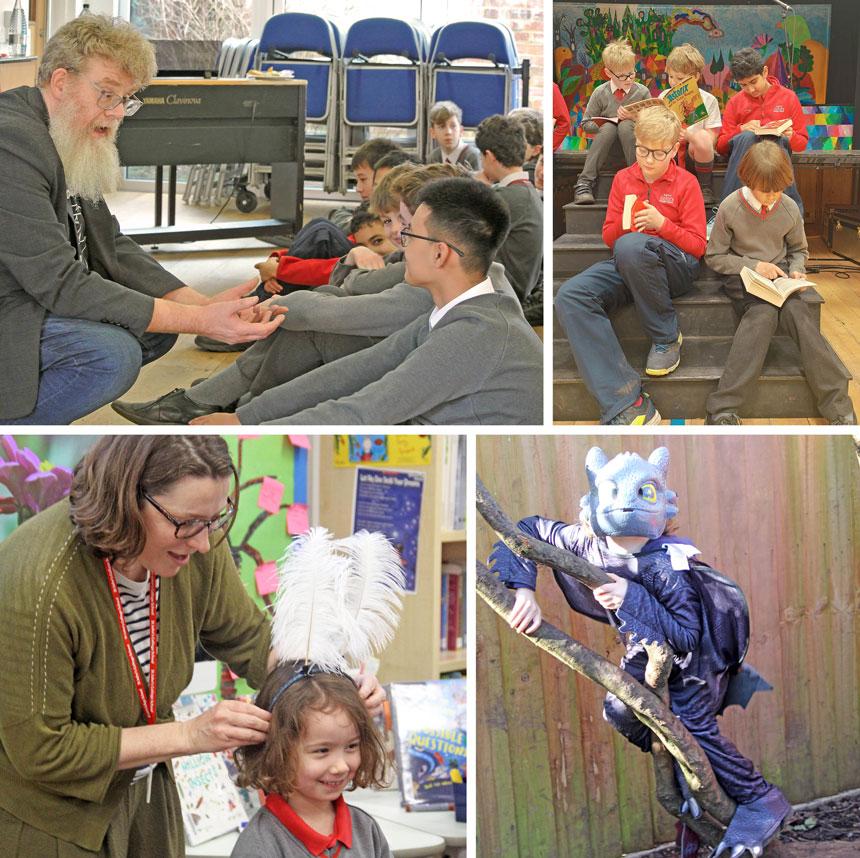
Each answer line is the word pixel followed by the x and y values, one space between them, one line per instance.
pixel 522 250
pixel 320 328
pixel 359 281
pixel 481 364
pixel 742 237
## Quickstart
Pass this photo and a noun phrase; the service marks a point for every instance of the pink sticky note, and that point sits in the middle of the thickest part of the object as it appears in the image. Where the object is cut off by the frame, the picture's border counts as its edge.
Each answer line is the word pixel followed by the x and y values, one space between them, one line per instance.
pixel 297 518
pixel 246 437
pixel 267 578
pixel 271 493
pixel 300 441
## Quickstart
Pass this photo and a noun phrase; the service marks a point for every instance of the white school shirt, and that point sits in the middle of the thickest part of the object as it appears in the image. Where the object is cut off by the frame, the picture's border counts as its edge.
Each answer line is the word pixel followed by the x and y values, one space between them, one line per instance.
pixel 519 176
pixel 755 205
pixel 485 287
pixel 713 120
pixel 452 158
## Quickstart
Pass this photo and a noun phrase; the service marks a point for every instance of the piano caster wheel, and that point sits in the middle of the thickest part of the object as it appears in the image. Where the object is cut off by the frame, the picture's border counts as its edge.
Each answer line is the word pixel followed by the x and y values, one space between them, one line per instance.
pixel 246 201
pixel 267 190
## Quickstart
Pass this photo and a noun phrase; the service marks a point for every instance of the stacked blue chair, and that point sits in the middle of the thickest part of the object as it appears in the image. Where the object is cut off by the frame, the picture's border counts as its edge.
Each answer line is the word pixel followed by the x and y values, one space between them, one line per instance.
pixel 475 65
pixel 383 84
pixel 311 46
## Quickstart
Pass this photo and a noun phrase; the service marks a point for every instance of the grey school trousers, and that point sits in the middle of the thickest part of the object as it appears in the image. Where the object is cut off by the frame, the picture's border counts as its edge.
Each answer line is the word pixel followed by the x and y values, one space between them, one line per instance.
pixel 602 142
pixel 758 323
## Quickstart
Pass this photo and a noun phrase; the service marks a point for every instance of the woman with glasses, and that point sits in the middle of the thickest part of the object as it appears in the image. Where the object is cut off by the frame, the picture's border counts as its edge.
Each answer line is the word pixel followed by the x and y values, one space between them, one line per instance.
pixel 103 598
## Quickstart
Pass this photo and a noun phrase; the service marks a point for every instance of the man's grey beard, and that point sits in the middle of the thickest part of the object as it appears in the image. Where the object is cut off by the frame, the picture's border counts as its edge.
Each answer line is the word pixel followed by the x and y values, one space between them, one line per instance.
pixel 91 164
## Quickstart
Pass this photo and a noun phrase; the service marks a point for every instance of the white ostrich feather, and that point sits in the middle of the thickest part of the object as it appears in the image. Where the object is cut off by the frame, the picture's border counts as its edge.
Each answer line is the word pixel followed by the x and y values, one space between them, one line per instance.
pixel 337 600
pixel 306 624
pixel 371 593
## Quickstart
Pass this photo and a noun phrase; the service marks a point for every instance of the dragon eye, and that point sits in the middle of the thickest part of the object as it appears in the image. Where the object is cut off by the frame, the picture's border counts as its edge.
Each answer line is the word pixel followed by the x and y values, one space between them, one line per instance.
pixel 649 492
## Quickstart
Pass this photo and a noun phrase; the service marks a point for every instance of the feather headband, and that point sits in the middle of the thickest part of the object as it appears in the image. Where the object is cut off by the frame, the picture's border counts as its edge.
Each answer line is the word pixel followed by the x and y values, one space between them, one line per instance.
pixel 338 600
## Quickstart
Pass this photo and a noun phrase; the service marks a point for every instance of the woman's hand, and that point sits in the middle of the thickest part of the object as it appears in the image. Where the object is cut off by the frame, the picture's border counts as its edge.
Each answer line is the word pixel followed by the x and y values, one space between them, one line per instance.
pixel 371 692
pixel 611 596
pixel 226 725
pixel 525 617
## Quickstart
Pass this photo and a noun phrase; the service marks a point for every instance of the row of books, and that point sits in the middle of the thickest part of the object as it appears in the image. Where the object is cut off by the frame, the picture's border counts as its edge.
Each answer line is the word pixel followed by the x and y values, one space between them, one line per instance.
pixel 453 607
pixel 453 493
pixel 427 730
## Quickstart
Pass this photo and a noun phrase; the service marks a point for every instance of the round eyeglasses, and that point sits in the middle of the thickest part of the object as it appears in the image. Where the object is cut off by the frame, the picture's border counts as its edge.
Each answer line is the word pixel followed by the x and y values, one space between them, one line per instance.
pixel 656 154
pixel 193 526
pixel 629 76
pixel 405 235
pixel 109 100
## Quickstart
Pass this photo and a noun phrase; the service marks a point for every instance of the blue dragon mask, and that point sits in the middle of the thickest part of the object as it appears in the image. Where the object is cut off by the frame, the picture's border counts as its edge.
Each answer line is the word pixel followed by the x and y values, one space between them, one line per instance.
pixel 628 495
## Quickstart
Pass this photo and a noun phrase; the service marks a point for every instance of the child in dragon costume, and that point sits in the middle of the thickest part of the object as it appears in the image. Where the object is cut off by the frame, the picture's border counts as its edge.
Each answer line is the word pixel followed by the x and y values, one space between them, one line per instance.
pixel 659 595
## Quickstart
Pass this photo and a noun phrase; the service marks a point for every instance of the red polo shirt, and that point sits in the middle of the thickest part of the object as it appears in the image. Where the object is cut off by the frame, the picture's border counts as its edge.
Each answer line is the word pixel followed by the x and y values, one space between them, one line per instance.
pixel 314 842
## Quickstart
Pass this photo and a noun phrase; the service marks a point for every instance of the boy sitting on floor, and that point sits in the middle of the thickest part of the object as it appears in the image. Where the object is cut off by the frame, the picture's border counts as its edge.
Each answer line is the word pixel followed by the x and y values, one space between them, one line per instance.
pixel 762 100
pixel 446 126
pixel 502 144
pixel 473 359
pixel 652 263
pixel 610 99
pixel 683 62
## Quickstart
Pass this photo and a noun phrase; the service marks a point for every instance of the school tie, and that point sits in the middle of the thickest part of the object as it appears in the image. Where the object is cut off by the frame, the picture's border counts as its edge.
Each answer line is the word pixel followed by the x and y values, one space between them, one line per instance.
pixel 619 94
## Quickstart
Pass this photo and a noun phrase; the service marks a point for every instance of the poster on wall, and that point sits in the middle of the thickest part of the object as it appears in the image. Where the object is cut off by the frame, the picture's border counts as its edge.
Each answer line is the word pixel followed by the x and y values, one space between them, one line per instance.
pixel 397 451
pixel 582 30
pixel 390 502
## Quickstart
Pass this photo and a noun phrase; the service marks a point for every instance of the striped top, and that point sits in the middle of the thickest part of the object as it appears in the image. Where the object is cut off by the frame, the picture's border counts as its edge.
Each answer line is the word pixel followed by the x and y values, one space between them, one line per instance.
pixel 134 596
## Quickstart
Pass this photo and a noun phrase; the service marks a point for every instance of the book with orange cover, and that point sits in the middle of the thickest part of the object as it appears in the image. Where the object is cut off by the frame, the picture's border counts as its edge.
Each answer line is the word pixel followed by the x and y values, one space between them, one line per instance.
pixel 632 206
pixel 774 128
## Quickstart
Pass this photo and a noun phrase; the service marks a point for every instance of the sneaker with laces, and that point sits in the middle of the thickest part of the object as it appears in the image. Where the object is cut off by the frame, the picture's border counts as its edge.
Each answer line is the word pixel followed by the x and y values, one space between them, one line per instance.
pixel 727 418
pixel 664 357
pixel 641 413
pixel 583 194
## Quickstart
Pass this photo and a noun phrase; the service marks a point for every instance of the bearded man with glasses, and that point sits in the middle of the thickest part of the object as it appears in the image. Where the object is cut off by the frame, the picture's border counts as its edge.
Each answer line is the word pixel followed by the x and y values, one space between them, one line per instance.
pixel 82 307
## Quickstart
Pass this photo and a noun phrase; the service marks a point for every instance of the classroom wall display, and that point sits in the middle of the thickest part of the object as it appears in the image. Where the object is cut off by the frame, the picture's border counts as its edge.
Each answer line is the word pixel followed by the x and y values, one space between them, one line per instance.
pixel 582 30
pixel 399 451
pixel 390 502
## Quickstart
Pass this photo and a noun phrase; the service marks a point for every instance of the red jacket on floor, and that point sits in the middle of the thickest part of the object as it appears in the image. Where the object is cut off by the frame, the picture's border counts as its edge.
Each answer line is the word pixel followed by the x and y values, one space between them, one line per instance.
pixel 676 195
pixel 304 272
pixel 776 105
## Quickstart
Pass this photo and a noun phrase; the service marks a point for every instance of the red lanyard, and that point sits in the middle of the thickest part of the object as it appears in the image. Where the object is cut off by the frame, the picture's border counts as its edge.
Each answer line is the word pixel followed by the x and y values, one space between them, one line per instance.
pixel 148 705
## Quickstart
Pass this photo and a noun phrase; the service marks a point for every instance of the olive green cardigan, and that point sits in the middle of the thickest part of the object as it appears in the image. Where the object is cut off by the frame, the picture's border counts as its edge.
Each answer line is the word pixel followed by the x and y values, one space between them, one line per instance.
pixel 67 689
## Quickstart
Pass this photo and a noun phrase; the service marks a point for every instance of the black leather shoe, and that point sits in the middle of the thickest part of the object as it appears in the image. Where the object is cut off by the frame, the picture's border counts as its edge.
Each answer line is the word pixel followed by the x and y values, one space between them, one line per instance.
pixel 174 407
pixel 207 344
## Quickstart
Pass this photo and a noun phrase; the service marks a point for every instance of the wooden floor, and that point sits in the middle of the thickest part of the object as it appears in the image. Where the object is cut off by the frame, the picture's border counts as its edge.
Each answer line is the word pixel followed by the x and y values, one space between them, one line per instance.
pixel 840 324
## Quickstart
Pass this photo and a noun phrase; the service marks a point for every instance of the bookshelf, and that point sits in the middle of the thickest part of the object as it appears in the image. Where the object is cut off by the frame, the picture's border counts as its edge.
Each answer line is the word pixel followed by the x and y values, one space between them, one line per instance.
pixel 415 653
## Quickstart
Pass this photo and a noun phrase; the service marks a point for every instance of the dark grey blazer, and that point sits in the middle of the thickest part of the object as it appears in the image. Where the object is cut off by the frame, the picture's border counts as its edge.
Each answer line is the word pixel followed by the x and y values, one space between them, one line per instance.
pixel 38 269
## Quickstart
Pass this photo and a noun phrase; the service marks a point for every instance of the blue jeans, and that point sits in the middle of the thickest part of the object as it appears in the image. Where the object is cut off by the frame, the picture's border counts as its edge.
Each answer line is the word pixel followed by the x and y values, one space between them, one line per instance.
pixel 738 147
pixel 84 365
pixel 645 270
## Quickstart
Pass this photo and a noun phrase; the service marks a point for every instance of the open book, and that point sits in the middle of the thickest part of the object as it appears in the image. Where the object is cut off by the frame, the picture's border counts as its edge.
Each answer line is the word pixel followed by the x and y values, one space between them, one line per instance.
pixel 638 106
pixel 775 291
pixel 632 206
pixel 685 101
pixel 774 128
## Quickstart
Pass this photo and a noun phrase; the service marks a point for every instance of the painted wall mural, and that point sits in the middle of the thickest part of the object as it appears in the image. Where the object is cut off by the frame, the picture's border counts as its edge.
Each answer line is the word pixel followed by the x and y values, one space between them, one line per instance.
pixel 581 31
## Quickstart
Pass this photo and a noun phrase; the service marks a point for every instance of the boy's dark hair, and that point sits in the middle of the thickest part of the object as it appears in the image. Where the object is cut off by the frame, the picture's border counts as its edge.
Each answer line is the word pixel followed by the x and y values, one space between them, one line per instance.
pixel 371 151
pixel 504 137
pixel 395 158
pixel 766 167
pixel 272 765
pixel 363 216
pixel 469 214
pixel 746 63
pixel 531 121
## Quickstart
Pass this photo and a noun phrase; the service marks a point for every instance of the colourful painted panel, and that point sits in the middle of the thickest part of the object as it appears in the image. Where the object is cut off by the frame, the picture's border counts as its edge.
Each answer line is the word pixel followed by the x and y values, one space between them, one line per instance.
pixel 830 127
pixel 581 31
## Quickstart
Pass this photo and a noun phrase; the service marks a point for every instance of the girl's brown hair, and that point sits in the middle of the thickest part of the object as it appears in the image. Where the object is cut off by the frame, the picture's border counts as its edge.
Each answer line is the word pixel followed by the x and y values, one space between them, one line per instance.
pixel 766 167
pixel 272 765
pixel 108 485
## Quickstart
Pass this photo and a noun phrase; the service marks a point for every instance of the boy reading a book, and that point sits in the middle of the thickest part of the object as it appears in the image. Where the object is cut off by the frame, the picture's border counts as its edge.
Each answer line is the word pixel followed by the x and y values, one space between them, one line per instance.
pixel 762 101
pixel 610 99
pixel 684 62
pixel 446 126
pixel 652 263
pixel 760 227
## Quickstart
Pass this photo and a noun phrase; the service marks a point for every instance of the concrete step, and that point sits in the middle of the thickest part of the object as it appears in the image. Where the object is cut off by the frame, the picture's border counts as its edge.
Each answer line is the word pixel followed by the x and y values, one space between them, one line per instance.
pixel 781 392
pixel 704 311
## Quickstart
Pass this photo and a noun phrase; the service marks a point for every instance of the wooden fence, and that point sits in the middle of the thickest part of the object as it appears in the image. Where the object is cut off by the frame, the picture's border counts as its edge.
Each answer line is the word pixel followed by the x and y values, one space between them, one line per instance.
pixel 780 514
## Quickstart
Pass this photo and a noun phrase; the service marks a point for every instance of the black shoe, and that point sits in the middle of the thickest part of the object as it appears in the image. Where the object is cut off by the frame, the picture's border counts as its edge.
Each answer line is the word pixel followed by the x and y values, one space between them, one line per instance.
pixel 172 408
pixel 845 420
pixel 727 418
pixel 207 344
pixel 583 194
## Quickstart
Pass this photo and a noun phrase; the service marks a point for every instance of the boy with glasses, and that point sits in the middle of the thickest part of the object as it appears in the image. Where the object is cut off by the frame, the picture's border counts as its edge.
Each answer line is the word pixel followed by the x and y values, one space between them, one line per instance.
pixel 610 99
pixel 653 261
